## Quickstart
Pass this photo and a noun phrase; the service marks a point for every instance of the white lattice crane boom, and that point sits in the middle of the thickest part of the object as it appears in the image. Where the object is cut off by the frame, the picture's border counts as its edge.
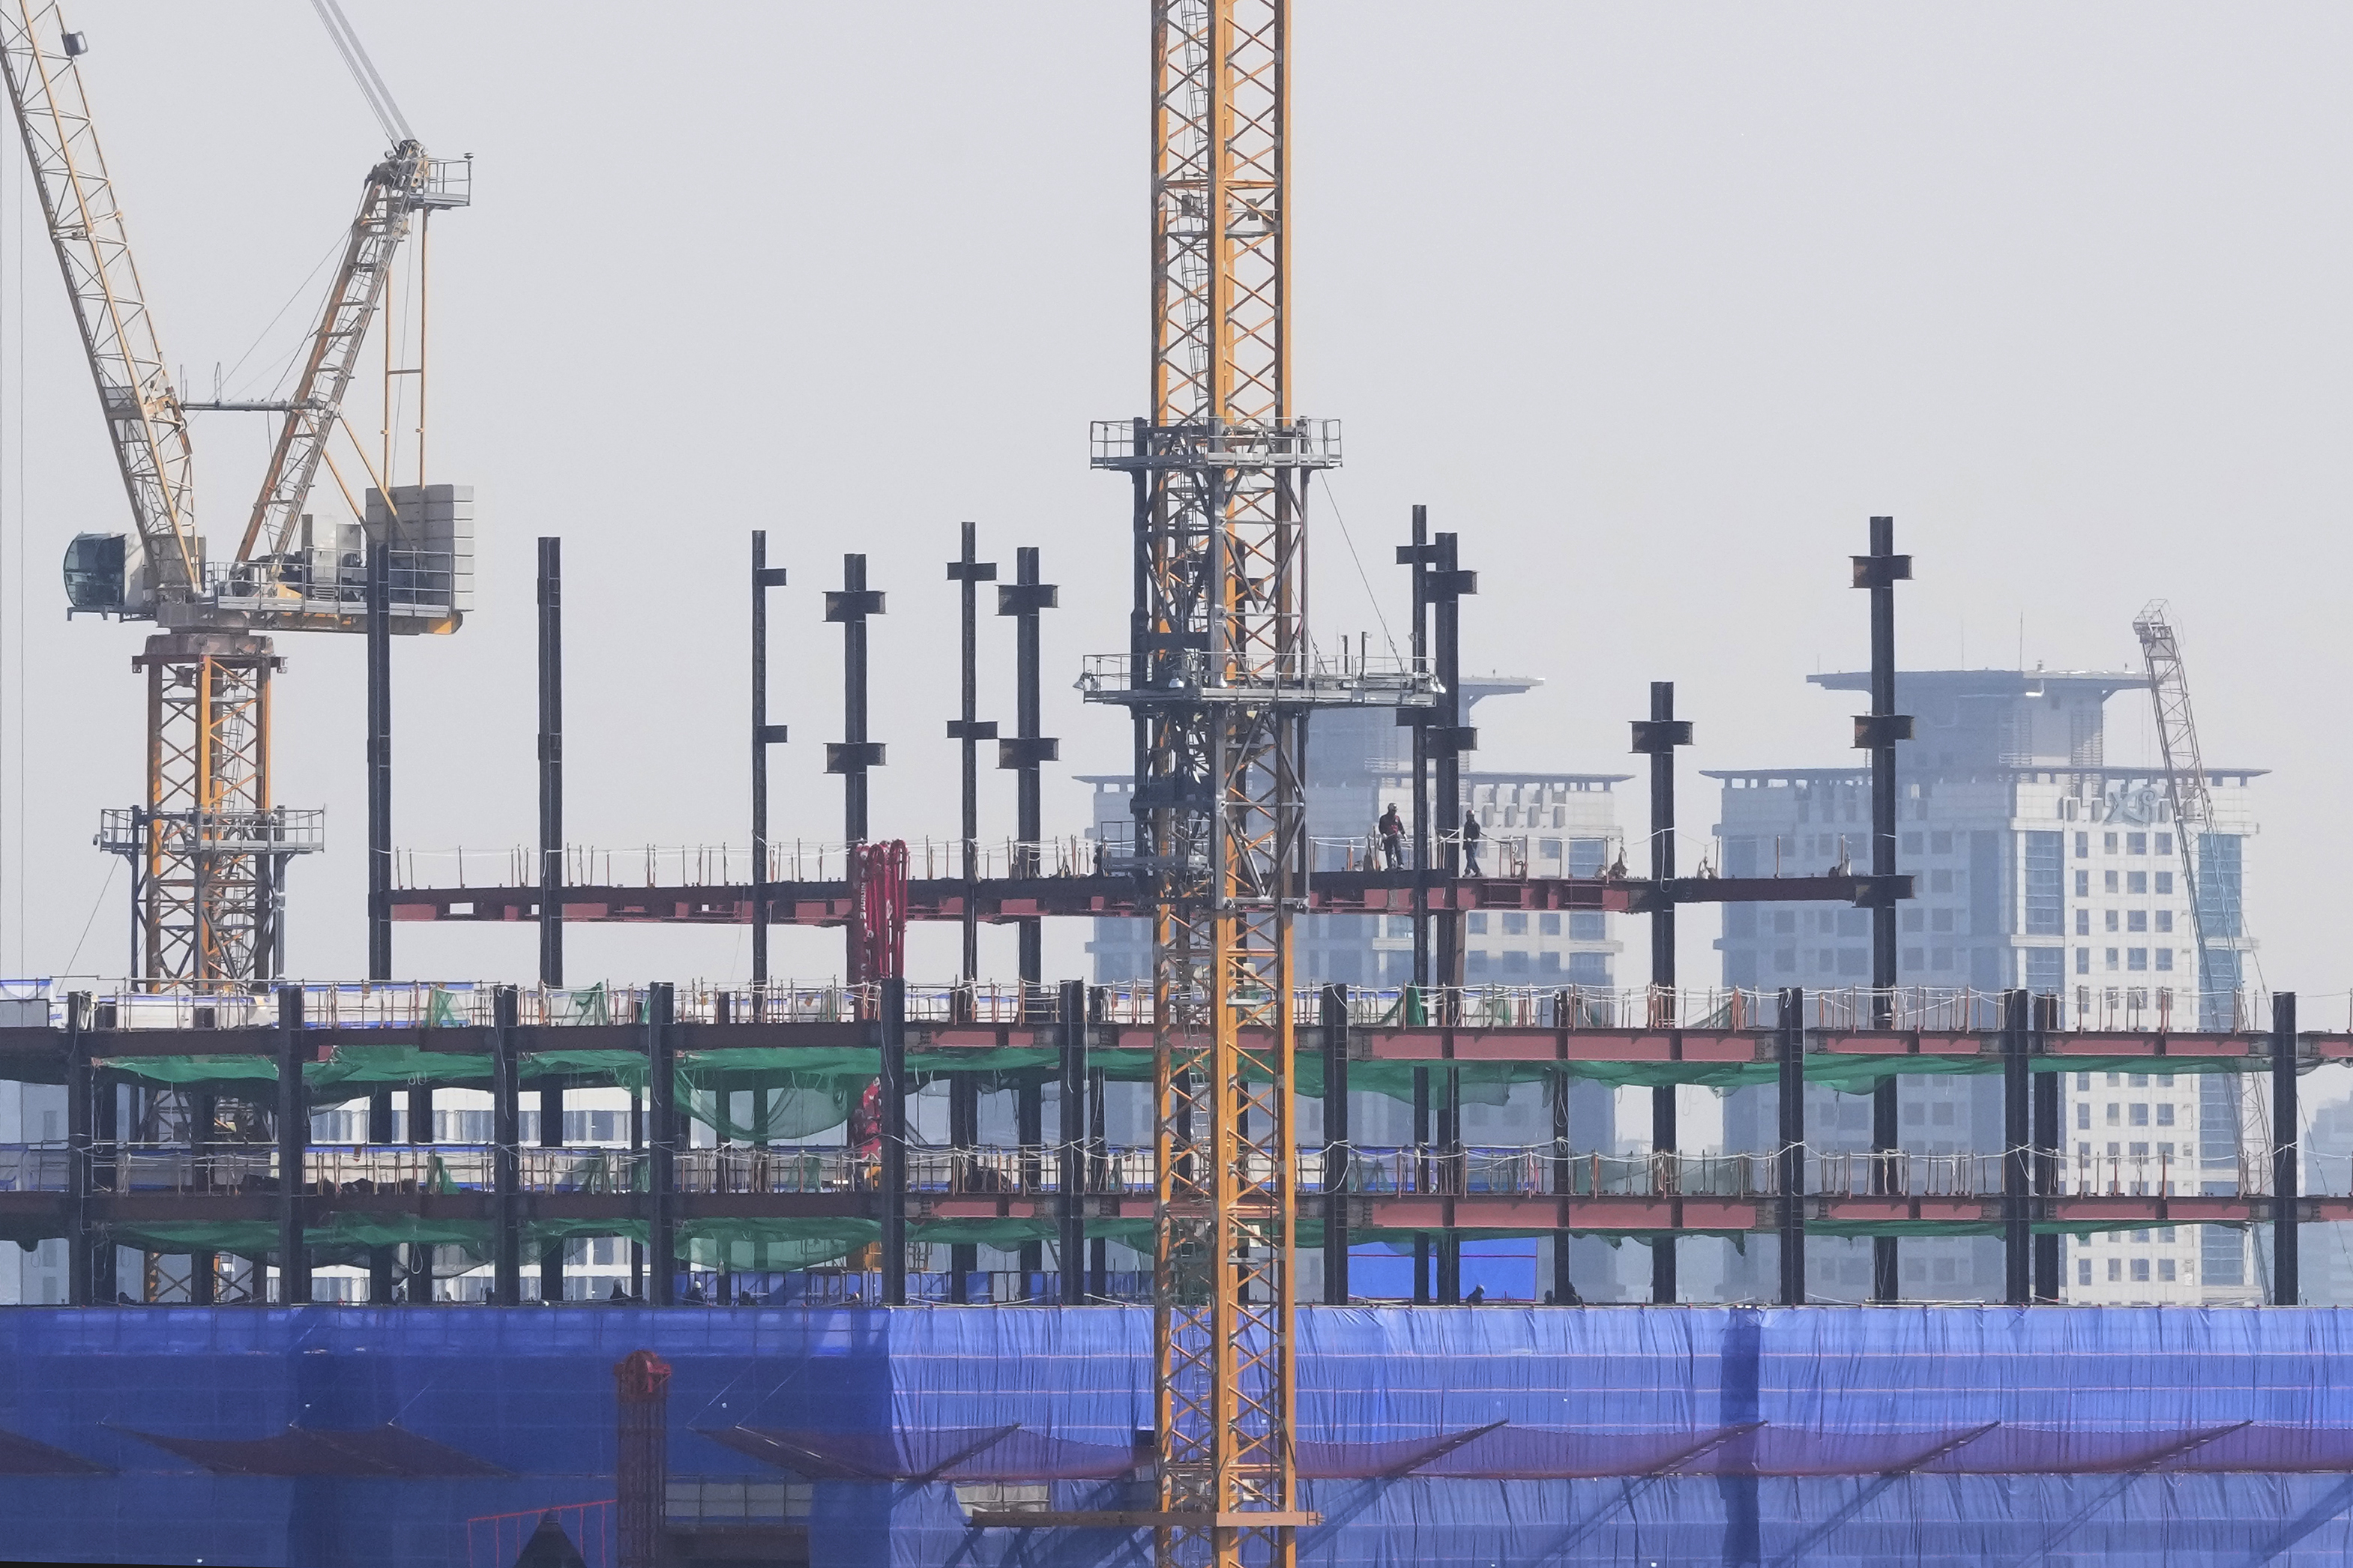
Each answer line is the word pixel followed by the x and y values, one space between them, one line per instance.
pixel 2177 741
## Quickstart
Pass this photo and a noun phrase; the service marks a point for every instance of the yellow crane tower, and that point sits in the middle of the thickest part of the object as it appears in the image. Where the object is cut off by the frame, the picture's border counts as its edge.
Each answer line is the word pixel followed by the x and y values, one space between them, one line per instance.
pixel 1220 677
pixel 209 846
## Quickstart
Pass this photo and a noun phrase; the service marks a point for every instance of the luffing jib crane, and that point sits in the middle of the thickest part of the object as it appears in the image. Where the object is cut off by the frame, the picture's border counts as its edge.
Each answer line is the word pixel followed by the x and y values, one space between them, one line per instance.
pixel 209 846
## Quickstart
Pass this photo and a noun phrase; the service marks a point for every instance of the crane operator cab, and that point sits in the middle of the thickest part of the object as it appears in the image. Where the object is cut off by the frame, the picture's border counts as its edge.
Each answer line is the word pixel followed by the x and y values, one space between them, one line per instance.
pixel 106 574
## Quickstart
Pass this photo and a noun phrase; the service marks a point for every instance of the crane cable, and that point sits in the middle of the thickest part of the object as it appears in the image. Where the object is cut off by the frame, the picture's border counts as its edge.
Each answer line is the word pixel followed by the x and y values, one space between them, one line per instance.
pixel 364 72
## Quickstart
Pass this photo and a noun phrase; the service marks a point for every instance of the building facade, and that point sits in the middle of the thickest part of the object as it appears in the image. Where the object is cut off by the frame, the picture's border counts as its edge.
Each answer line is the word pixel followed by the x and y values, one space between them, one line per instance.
pixel 2037 864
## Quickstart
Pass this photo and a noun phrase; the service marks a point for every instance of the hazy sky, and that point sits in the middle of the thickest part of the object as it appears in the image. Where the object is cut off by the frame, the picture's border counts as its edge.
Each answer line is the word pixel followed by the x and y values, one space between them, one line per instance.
pixel 1654 305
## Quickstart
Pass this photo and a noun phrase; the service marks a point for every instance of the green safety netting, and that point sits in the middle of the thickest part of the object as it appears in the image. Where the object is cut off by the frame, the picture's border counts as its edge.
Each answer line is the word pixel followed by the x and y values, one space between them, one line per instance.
pixel 172 1070
pixel 773 1244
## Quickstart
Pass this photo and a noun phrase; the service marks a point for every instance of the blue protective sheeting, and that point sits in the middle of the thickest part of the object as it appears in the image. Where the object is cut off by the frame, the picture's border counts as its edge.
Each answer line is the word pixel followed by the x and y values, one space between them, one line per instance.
pixel 2107 1392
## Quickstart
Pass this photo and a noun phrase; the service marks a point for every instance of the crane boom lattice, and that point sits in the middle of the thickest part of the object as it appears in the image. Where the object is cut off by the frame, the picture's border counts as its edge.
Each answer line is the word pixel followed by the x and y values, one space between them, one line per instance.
pixel 143 410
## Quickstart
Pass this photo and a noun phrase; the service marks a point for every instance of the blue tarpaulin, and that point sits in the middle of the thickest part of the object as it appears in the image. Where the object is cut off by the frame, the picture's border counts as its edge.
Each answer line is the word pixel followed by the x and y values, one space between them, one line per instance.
pixel 1429 1436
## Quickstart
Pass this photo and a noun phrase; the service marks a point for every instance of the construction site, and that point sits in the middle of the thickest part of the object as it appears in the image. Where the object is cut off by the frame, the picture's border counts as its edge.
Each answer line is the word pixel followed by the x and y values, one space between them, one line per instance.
pixel 1387 1191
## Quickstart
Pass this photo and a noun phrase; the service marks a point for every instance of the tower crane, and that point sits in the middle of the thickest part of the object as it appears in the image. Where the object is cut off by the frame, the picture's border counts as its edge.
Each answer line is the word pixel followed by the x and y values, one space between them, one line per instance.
pixel 2191 800
pixel 209 846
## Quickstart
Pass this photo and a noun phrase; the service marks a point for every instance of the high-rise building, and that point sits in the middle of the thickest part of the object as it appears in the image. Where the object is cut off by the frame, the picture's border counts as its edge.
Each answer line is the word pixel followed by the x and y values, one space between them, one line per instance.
pixel 2036 864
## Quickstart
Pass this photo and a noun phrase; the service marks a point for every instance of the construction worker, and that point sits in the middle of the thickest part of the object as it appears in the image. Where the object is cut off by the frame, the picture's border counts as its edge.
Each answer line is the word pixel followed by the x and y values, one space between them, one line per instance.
pixel 1392 829
pixel 1471 836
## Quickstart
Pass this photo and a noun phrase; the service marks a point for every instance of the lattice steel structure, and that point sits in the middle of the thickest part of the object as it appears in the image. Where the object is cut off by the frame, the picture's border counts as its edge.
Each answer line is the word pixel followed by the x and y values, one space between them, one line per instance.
pixel 208 850
pixel 1220 677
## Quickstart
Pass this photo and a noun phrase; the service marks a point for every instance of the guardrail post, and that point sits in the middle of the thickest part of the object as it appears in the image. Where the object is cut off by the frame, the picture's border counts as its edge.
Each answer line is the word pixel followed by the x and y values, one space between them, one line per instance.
pixel 293 1143
pixel 506 1132
pixel 1564 1290
pixel 2287 1185
pixel 894 1140
pixel 662 1145
pixel 1791 1080
pixel 1069 1202
pixel 1335 1145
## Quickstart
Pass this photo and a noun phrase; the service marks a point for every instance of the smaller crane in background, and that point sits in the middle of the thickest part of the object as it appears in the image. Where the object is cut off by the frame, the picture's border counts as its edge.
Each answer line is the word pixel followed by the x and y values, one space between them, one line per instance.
pixel 2215 915
pixel 209 846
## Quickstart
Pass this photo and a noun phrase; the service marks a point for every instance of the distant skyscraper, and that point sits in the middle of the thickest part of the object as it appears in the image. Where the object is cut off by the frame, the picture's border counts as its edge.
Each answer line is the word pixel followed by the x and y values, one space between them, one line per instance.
pixel 2035 865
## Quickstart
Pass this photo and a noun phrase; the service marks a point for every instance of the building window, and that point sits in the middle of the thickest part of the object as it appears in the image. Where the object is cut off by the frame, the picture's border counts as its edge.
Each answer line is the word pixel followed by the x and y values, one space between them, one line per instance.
pixel 2136 919
pixel 1940 920
pixel 2083 884
pixel 2043 884
pixel 2164 882
pixel 2115 1265
pixel 2083 922
pixel 2165 1119
pixel 1401 926
pixel 2110 957
pixel 1916 958
pixel 1478 925
pixel 2164 845
pixel 2116 1113
pixel 2083 847
pixel 2109 843
pixel 2109 919
pixel 1588 925
pixel 1734 964
pixel 1547 925
pixel 1940 958
pixel 1912 844
pixel 1940 843
pixel 2082 1265
pixel 2136 958
pixel 2164 1268
pixel 2140 1119
pixel 2137 882
pixel 1785 922
pixel 1940 882
pixel 2140 1270
pixel 1515 925
pixel 2165 960
pixel 1515 963
pixel 2083 1116
pixel 1915 920
pixel 1785 961
pixel 2165 920
pixel 2136 843
pixel 1854 960
pixel 1477 965
pixel 1589 969
pixel 2083 961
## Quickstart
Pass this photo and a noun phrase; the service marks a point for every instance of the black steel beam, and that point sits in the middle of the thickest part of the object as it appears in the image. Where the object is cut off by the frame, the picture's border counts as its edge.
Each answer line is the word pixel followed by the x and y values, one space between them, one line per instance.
pixel 2043 1014
pixel 2017 1163
pixel 661 1142
pixel 855 753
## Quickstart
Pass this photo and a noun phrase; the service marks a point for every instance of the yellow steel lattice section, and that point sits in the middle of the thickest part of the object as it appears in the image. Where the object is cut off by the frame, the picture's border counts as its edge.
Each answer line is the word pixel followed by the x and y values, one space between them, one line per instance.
pixel 206 903
pixel 1222 558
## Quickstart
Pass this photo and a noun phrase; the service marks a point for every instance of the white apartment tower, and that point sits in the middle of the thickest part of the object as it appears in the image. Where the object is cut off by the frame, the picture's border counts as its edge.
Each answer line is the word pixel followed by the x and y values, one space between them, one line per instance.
pixel 2035 865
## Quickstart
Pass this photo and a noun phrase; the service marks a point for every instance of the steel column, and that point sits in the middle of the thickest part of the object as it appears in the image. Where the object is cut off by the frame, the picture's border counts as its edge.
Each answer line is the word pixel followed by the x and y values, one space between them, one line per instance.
pixel 551 761
pixel 1070 1199
pixel 2286 1135
pixel 968 572
pixel 2047 1136
pixel 2017 1156
pixel 1023 598
pixel 293 1143
pixel 763 735
pixel 81 1079
pixel 379 756
pixel 1790 1061
pixel 1334 1009
pixel 1880 571
pixel 1658 737
pixel 894 1139
pixel 855 753
pixel 661 1143
pixel 506 1132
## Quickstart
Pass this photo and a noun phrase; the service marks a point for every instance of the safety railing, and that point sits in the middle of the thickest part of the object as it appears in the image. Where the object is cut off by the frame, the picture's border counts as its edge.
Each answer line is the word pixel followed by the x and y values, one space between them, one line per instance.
pixel 582 1169
pixel 789 1169
pixel 730 866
